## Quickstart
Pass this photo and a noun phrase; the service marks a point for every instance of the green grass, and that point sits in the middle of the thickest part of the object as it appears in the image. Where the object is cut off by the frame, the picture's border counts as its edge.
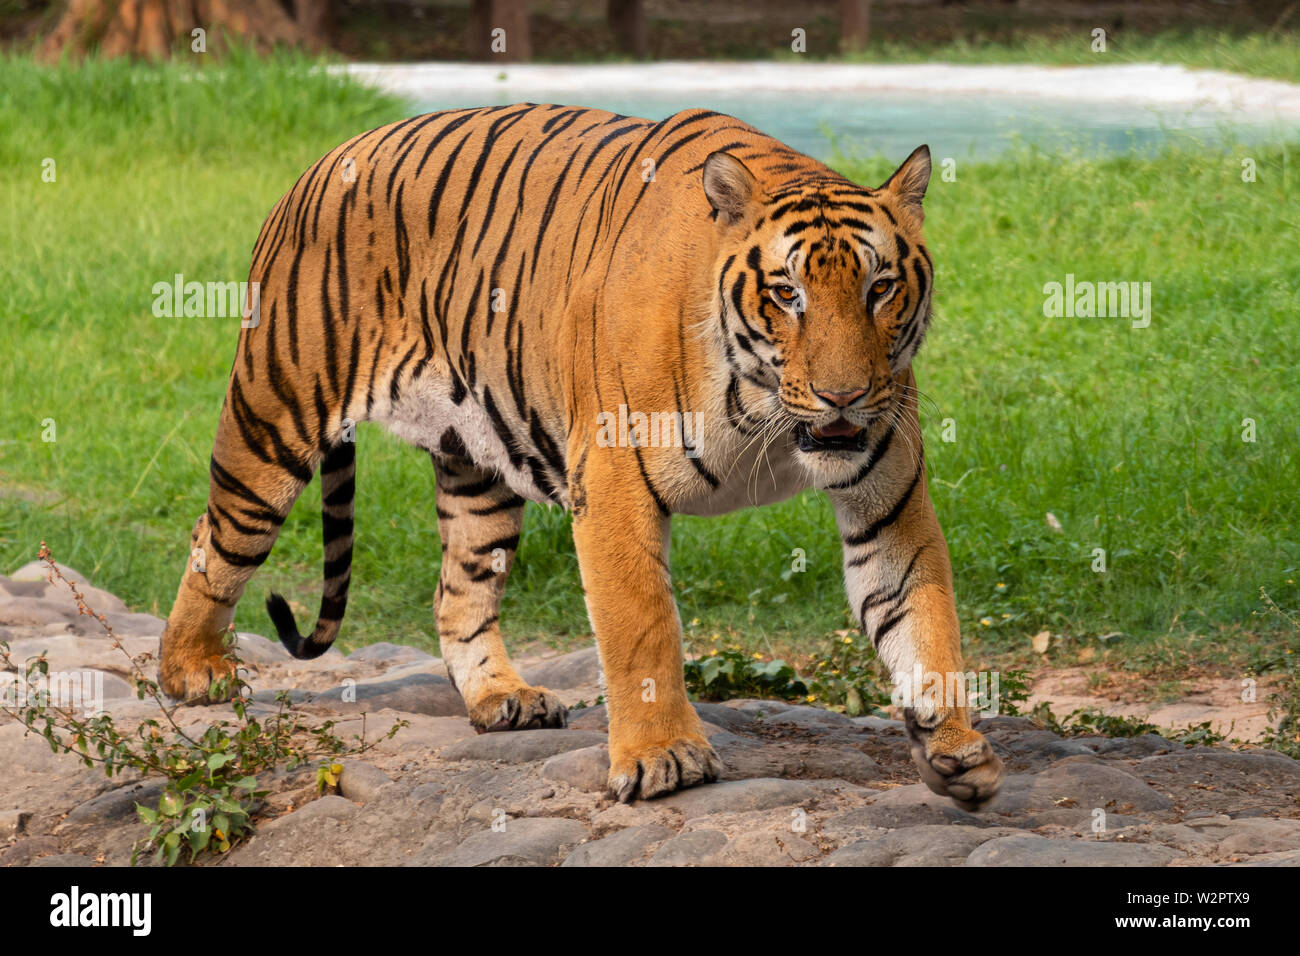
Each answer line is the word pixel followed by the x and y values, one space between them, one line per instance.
pixel 1131 437
pixel 1275 55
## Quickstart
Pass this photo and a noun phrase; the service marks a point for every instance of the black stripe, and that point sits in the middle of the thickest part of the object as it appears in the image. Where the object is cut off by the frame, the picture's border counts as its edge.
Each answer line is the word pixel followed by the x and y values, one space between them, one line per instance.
pixel 509 504
pixel 872 531
pixel 509 542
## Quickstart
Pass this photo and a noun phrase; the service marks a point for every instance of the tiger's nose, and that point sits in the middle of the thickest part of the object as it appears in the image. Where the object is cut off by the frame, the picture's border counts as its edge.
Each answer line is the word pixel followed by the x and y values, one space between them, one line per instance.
pixel 840 399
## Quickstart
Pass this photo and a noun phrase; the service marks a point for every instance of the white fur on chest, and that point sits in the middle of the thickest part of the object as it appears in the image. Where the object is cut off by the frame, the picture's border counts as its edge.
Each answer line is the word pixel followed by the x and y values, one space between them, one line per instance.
pixel 750 476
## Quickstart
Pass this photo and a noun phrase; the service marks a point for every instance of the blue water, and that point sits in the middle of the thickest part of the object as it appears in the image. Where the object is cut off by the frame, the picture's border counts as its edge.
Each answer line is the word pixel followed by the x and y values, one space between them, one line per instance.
pixel 964 126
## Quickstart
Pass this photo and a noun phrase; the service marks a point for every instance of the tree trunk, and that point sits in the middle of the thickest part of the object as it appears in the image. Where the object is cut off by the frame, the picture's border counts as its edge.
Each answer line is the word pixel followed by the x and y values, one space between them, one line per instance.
pixel 498 30
pixel 627 21
pixel 156 29
pixel 855 24
pixel 314 21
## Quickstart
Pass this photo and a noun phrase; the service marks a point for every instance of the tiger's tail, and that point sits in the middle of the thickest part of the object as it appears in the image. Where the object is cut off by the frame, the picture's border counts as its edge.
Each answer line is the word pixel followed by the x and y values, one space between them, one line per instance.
pixel 338 488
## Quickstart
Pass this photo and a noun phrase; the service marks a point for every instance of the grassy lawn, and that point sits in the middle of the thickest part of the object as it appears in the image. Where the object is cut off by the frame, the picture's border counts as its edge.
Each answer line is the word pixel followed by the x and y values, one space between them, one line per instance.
pixel 1275 55
pixel 1131 438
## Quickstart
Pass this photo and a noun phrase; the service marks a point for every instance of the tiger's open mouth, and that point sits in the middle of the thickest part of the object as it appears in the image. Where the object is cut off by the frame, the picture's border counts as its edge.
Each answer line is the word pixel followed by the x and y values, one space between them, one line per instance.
pixel 839 435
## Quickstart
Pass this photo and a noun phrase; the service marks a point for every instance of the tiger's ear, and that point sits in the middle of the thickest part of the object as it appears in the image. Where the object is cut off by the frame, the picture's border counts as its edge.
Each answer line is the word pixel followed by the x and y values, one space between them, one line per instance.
pixel 730 187
pixel 910 179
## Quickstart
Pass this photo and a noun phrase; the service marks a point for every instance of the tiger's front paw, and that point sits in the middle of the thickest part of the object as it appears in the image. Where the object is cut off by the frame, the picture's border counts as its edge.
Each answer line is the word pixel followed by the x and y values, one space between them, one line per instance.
pixel 520 708
pixel 651 770
pixel 194 676
pixel 955 761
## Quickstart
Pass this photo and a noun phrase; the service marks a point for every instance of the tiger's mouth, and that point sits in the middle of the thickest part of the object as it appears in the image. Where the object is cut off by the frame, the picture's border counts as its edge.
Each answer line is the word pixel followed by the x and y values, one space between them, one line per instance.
pixel 839 435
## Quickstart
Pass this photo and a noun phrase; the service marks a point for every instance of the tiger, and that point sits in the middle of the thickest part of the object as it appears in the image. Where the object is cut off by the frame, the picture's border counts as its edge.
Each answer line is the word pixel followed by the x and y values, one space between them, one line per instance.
pixel 492 285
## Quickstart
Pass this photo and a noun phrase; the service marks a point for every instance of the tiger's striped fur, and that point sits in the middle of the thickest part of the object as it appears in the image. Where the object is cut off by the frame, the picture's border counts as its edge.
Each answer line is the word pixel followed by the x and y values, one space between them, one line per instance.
pixel 494 284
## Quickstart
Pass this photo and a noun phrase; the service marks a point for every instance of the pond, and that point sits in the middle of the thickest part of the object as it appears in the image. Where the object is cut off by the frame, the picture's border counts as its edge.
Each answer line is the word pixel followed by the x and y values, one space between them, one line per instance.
pixel 964 112
pixel 959 125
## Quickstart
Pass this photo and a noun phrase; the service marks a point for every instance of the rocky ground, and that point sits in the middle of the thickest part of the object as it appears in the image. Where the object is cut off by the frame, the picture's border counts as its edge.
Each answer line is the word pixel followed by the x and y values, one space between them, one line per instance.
pixel 803 786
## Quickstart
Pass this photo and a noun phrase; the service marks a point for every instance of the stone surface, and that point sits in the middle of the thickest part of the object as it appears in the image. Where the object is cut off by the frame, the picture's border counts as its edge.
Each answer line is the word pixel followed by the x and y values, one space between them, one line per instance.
pixel 361 781
pixel 1085 783
pixel 521 746
pixel 626 846
pixel 734 795
pixel 926 845
pixel 801 786
pixel 13 823
pixel 586 768
pixel 539 841
pixel 419 693
pixel 695 848
pixel 1029 850
pixel 579 669
pixel 386 653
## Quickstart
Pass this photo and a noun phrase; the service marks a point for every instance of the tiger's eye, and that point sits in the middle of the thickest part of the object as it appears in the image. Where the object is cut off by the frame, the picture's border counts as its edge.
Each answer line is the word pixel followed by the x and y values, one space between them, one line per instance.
pixel 880 286
pixel 786 293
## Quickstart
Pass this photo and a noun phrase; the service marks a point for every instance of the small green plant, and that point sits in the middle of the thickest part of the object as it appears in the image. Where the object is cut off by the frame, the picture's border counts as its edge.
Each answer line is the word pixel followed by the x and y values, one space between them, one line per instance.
pixel 1201 734
pixel 212 793
pixel 845 678
pixel 723 675
pixel 1284 703
pixel 1013 690
pixel 1089 722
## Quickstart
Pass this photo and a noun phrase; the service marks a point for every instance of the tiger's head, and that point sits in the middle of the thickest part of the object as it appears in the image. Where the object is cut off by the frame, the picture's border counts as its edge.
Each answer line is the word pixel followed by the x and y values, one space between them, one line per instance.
pixel 824 292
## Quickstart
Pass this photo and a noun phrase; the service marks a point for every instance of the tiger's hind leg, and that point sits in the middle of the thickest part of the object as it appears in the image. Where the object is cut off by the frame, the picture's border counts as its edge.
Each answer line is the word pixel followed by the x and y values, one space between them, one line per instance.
pixel 248 500
pixel 479 520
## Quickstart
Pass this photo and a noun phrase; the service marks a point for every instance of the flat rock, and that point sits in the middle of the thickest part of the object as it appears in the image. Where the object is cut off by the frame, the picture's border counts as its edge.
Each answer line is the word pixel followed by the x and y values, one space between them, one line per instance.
pixel 259 651
pixel 328 807
pixel 622 848
pixel 26 850
pixel 426 694
pixel 925 845
pixel 536 841
pixel 813 718
pixel 578 669
pixel 522 746
pixel 694 848
pixel 879 724
pixel 730 718
pixel 1084 783
pixel 756 708
pixel 361 781
pixel 33 612
pixel 1202 764
pixel 746 757
pixel 382 652
pixel 425 735
pixel 765 848
pixel 586 768
pixel 62 860
pixel 1142 746
pixel 589 718
pixel 40 571
pixel 1249 835
pixel 1285 858
pixel 1038 743
pixel 1029 850
pixel 734 796
pixel 116 806
pixel 70 653
pixel 921 812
